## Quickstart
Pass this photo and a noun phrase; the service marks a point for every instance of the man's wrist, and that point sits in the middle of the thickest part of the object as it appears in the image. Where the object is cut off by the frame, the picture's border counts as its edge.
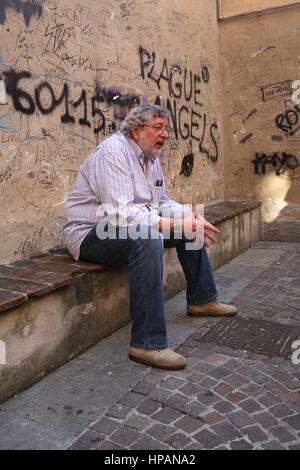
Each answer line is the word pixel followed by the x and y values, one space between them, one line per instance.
pixel 177 227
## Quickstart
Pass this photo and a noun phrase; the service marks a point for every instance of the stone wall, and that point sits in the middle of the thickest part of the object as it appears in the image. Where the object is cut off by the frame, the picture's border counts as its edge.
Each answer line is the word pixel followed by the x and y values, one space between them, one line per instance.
pixel 260 65
pixel 70 70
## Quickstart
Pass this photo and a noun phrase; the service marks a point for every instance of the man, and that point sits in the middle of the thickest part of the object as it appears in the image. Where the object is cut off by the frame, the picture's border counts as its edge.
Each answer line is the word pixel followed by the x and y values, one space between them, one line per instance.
pixel 118 213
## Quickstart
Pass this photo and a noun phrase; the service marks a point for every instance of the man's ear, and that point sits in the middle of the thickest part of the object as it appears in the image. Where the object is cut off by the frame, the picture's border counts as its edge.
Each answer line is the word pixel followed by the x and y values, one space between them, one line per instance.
pixel 135 131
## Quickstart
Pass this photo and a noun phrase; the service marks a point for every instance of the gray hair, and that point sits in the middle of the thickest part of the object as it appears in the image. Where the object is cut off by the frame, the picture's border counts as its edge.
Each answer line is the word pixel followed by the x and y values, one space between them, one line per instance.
pixel 141 114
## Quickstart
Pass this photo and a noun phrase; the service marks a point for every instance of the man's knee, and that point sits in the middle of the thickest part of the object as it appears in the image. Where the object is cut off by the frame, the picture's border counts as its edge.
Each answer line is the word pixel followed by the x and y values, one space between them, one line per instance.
pixel 146 238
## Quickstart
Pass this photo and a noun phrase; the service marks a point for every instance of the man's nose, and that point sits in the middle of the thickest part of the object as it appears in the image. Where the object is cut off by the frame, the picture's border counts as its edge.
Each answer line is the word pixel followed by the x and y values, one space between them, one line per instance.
pixel 165 134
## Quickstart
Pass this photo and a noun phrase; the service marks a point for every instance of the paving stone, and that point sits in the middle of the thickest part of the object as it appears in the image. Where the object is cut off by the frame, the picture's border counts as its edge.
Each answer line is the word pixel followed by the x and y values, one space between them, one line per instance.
pixel 290 397
pixel 266 419
pixel 253 389
pixel 236 380
pixel 90 438
pixel 220 372
pixel 241 419
pixel 294 447
pixel 109 445
pixel 282 434
pixel 207 439
pixel 125 436
pixel 131 399
pixel 268 399
pixel 105 426
pixel 177 401
pixel 273 445
pixel 147 443
pixel 223 389
pixel 236 397
pixel 215 358
pixel 118 411
pixel 255 434
pixel 148 407
pixel 172 383
pixel 189 424
pixel 166 415
pixel 178 441
pixel 226 431
pixel 224 407
pixel 207 397
pixel 280 411
pixel 190 389
pixel 194 408
pixel 144 386
pixel 232 364
pixel 212 418
pixel 241 445
pixel 250 406
pixel 161 432
pixel 195 377
pixel 160 394
pixel 140 423
pixel 207 383
pixel 293 421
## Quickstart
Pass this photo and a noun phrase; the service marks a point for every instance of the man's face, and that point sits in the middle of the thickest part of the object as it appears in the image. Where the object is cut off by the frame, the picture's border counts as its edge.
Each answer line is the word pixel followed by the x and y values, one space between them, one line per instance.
pixel 152 136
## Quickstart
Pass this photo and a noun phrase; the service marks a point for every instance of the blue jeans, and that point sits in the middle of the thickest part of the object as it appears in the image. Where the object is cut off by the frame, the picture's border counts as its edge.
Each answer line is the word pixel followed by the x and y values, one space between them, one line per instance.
pixel 145 273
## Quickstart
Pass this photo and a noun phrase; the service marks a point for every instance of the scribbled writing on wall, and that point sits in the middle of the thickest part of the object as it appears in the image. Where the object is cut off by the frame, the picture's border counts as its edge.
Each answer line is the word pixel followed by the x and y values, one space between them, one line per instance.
pixel 27 104
pixel 29 8
pixel 189 121
pixel 287 122
pixel 282 163
pixel 276 90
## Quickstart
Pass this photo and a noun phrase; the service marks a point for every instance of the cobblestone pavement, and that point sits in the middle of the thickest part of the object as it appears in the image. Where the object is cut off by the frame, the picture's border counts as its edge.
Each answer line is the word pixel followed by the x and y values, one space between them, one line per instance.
pixel 225 398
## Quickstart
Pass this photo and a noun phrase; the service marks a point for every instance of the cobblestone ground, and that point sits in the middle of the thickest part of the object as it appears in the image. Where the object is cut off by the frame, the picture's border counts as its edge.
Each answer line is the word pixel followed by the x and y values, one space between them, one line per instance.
pixel 226 398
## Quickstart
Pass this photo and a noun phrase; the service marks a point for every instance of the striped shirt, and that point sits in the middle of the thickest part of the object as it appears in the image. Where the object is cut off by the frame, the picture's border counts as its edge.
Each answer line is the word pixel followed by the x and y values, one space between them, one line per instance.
pixel 113 181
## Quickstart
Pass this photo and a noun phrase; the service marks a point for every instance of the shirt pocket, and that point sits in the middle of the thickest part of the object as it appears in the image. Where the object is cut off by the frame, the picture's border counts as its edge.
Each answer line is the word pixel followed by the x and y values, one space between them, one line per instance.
pixel 157 194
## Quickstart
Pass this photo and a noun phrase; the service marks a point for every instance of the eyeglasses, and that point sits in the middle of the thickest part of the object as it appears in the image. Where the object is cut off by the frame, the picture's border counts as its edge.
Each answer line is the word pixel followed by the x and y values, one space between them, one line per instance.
pixel 159 129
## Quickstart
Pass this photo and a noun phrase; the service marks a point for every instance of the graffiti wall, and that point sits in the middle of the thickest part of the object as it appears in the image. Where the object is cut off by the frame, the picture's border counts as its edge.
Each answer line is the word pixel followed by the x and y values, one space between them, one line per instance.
pixel 260 69
pixel 69 72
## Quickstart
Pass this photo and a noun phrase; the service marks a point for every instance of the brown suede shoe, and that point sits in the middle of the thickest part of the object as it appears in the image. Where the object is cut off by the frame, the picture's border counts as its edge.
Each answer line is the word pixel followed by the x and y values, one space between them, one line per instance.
pixel 211 309
pixel 159 358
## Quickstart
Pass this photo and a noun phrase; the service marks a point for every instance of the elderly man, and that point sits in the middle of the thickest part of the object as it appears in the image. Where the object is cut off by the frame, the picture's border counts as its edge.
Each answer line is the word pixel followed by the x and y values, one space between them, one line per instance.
pixel 118 213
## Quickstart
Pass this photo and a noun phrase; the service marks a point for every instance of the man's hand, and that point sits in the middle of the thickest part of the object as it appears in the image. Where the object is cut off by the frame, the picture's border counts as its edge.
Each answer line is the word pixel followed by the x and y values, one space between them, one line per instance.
pixel 208 228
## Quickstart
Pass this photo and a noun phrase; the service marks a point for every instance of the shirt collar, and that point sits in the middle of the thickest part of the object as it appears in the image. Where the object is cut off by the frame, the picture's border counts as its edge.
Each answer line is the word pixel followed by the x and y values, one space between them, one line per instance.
pixel 138 151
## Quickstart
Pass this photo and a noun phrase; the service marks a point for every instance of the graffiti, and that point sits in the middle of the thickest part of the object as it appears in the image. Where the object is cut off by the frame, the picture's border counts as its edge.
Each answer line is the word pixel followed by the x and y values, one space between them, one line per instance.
pixel 276 90
pixel 287 122
pixel 286 162
pixel 26 104
pixel 187 162
pixel 188 120
pixel 28 7
pixel 58 37
pixel 246 138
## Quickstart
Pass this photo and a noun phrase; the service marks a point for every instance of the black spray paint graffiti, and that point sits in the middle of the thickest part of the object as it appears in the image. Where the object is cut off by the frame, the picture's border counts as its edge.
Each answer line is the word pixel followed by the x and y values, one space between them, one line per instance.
pixel 28 7
pixel 186 121
pixel 187 163
pixel 286 162
pixel 287 122
pixel 26 104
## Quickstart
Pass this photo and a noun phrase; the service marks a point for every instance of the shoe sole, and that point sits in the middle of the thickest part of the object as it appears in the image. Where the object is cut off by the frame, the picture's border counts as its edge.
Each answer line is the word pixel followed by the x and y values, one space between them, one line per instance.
pixel 156 366
pixel 209 314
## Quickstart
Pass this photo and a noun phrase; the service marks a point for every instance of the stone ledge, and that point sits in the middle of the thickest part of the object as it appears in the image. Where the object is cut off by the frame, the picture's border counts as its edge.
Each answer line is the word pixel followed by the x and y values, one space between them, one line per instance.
pixel 43 273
